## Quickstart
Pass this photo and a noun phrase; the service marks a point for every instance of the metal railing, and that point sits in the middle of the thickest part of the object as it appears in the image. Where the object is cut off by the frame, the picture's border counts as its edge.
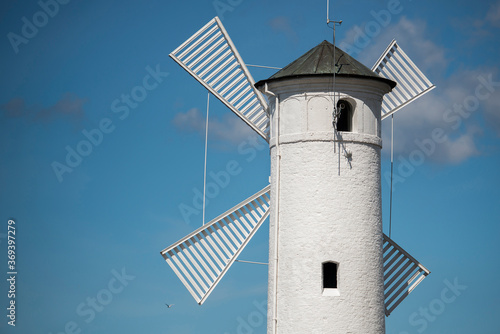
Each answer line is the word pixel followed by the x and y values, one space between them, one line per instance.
pixel 202 258
pixel 402 274
pixel 211 58
pixel 394 64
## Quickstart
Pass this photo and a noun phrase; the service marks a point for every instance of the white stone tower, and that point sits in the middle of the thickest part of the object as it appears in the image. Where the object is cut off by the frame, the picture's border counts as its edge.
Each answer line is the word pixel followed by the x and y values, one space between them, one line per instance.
pixel 325 257
pixel 331 269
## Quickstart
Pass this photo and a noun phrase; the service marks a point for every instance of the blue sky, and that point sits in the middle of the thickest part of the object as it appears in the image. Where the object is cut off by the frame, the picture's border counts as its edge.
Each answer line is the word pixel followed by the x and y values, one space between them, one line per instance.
pixel 93 229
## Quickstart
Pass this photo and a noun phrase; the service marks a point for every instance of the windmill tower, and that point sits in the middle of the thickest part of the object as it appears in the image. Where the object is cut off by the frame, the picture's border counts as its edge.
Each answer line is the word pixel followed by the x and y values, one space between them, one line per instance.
pixel 326 261
pixel 331 268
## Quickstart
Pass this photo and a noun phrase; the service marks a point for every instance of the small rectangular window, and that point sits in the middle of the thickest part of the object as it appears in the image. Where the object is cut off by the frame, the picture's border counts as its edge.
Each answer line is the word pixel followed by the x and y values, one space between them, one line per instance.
pixel 330 275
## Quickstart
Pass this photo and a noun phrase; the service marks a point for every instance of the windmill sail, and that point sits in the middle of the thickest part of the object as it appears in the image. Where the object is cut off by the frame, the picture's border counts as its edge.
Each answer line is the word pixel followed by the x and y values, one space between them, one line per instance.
pixel 201 259
pixel 211 58
pixel 394 64
pixel 402 274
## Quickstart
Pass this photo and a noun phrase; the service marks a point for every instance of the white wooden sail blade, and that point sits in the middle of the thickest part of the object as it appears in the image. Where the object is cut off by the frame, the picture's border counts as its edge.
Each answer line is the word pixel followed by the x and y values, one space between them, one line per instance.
pixel 202 258
pixel 402 274
pixel 211 58
pixel 394 64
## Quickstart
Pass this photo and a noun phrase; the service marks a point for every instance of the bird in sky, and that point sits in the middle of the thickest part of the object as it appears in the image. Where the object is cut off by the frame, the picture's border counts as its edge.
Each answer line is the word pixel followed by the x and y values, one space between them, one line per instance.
pixel 169 306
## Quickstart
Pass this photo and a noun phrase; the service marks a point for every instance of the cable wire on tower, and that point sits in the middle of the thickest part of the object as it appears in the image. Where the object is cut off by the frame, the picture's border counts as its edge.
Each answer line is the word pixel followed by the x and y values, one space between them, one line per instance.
pixel 392 171
pixel 205 164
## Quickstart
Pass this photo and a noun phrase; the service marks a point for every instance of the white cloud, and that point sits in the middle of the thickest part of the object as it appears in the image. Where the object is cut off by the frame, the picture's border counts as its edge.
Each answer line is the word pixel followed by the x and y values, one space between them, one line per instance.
pixel 190 121
pixel 474 30
pixel 493 16
pixel 282 24
pixel 457 150
pixel 230 130
pixel 412 37
pixel 432 111
pixel 492 112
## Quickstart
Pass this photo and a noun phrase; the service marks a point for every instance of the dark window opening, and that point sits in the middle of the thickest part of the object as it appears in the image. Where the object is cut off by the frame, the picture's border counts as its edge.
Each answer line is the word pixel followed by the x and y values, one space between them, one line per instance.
pixel 330 275
pixel 344 123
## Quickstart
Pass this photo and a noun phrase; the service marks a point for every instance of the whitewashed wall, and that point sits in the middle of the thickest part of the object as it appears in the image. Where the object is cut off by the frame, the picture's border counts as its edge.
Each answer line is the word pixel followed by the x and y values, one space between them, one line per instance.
pixel 329 208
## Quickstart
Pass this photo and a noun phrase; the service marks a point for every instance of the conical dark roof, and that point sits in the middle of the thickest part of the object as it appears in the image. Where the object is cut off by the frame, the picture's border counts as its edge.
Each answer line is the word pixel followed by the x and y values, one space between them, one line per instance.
pixel 319 61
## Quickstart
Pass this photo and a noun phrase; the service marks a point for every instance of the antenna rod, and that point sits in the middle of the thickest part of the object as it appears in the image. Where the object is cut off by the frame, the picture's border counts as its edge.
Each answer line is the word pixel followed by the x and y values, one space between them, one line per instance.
pixel 336 113
pixel 328 21
pixel 335 67
pixel 392 170
pixel 327 11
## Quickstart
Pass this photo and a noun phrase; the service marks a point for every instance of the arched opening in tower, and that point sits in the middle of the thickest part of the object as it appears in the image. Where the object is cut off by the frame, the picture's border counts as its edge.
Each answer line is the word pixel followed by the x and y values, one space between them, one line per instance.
pixel 344 122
